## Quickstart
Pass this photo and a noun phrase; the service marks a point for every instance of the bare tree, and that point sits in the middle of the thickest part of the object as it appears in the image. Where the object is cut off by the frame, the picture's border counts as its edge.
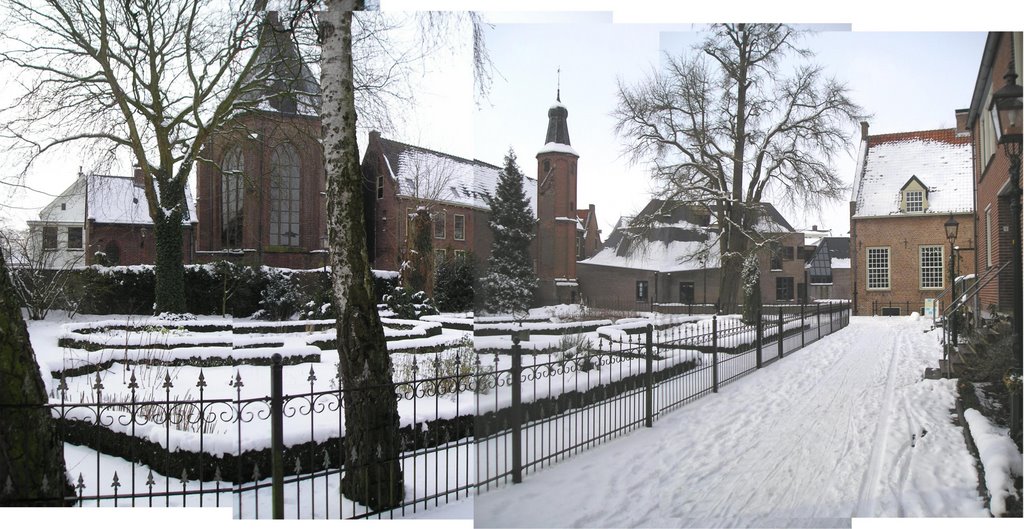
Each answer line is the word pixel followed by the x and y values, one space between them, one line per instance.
pixel 154 78
pixel 725 128
pixel 39 274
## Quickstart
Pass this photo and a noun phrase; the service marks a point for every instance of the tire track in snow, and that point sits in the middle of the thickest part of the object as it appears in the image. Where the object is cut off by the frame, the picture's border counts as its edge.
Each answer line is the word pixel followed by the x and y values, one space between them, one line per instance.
pixel 867 498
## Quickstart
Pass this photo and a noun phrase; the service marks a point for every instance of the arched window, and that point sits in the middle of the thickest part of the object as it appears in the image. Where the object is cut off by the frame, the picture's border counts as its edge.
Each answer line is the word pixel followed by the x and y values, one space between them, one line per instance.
pixel 231 187
pixel 284 196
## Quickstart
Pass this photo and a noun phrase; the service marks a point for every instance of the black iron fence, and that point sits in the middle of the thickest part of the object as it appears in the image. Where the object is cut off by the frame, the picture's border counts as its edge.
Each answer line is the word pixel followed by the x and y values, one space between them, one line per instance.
pixel 468 421
pixel 252 454
pixel 561 404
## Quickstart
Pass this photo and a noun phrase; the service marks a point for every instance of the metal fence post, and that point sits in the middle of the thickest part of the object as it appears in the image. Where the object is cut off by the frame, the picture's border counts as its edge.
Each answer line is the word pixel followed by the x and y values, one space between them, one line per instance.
pixel 803 336
pixel 714 353
pixel 760 335
pixel 277 437
pixel 817 314
pixel 780 332
pixel 831 319
pixel 649 379
pixel 517 418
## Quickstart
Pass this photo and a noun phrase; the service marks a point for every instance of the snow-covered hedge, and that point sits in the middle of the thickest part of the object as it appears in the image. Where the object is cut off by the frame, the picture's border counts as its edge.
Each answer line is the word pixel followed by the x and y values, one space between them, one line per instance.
pixel 999 457
pixel 212 288
pixel 494 329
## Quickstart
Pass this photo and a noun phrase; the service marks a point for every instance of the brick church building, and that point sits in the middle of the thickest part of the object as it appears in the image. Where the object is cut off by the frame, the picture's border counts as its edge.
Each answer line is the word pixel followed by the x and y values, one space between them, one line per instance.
pixel 262 190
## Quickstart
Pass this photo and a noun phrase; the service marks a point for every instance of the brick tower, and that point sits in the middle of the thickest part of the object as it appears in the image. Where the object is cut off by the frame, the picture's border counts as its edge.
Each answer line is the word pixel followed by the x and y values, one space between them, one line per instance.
pixel 556 211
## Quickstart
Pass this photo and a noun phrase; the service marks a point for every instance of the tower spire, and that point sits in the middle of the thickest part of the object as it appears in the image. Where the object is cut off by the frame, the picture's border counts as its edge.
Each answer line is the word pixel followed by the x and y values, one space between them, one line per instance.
pixel 558 84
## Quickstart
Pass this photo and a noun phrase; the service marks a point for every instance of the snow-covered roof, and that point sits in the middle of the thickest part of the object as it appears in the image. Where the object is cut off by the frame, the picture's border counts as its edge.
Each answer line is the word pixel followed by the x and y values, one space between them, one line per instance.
pixel 117 200
pixel 420 172
pixel 111 200
pixel 940 159
pixel 557 147
pixel 674 241
pixel 660 256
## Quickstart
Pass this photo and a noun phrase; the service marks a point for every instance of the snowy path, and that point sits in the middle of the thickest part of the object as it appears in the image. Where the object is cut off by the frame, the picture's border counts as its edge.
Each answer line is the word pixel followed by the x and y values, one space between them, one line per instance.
pixel 843 428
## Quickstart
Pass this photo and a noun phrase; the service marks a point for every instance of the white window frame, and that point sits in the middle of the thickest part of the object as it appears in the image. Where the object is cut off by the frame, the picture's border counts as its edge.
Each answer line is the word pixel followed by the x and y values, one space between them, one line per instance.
pixel 456 228
pixel 868 268
pixel 918 200
pixel 988 236
pixel 443 217
pixel 921 266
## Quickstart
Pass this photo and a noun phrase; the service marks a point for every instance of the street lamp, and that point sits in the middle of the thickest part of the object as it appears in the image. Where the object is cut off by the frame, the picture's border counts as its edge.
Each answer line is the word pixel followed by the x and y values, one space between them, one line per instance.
pixel 952 226
pixel 1006 117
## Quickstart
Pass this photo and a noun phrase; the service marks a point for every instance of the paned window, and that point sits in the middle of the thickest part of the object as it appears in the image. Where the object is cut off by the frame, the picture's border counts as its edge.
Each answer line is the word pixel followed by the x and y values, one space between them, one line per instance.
pixel 380 187
pixel 931 266
pixel 439 255
pixel 74 238
pixel 641 290
pixel 821 266
pixel 284 196
pixel 784 289
pixel 686 292
pixel 460 227
pixel 878 268
pixel 915 201
pixel 440 225
pixel 232 176
pixel 49 237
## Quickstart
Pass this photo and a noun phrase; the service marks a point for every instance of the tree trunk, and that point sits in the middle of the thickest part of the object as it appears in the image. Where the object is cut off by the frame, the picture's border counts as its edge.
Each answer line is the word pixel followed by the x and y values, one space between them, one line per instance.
pixel 32 471
pixel 373 474
pixel 170 273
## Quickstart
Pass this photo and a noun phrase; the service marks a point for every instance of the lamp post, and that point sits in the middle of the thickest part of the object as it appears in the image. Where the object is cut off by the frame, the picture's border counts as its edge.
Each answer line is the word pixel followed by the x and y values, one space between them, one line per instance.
pixel 952 226
pixel 1006 117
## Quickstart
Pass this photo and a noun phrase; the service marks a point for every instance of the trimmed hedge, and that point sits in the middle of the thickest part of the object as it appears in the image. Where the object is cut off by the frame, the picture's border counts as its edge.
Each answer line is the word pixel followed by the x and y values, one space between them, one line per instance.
pixel 235 469
pixel 214 288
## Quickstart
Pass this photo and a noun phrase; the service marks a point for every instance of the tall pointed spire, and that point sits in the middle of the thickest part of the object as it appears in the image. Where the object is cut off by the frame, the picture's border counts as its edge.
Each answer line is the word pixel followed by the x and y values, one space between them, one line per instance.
pixel 558 84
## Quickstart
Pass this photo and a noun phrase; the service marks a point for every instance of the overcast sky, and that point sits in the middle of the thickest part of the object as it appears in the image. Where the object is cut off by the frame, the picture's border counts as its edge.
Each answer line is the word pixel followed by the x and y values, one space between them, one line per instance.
pixel 906 80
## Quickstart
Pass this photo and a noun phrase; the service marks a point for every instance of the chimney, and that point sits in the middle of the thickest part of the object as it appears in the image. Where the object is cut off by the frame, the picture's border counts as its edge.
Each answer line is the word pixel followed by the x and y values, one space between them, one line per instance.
pixel 374 137
pixel 961 121
pixel 814 227
pixel 137 175
pixel 863 130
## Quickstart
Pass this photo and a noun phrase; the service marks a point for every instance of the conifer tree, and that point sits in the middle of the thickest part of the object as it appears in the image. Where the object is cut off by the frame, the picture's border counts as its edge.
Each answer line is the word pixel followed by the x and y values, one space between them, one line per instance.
pixel 510 279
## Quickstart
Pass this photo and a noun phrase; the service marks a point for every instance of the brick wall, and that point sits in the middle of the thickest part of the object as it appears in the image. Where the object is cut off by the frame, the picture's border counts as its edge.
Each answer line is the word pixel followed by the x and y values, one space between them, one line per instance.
pixel 258 135
pixel 135 244
pixel 991 170
pixel 904 235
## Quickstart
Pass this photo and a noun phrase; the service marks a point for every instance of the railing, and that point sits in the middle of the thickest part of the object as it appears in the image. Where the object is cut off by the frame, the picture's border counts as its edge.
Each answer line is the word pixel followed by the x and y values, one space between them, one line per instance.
pixel 252 453
pixel 468 422
pixel 561 405
pixel 952 315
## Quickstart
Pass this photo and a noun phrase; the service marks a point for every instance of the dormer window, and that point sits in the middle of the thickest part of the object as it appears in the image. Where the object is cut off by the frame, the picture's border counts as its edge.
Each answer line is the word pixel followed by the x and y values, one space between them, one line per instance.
pixel 913 196
pixel 915 201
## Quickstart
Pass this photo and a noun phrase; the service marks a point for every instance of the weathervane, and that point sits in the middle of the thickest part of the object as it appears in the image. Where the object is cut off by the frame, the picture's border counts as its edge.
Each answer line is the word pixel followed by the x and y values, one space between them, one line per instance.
pixel 558 84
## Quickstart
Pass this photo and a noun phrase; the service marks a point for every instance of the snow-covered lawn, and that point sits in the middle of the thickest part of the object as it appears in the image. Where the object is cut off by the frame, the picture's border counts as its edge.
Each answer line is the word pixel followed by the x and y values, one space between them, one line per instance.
pixel 846 427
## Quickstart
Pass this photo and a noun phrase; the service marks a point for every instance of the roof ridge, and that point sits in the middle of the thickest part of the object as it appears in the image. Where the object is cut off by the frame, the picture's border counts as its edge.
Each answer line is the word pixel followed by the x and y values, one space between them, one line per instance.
pixel 439 153
pixel 944 135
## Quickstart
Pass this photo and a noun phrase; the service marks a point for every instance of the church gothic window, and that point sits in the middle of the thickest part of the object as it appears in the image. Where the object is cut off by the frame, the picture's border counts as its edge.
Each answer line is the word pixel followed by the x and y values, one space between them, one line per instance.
pixel 232 185
pixel 284 196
